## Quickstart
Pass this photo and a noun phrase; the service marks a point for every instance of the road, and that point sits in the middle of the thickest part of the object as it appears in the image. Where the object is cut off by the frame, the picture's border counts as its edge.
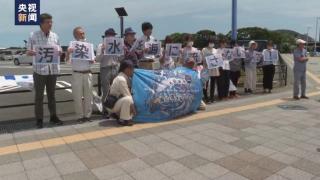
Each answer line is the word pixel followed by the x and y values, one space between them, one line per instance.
pixel 7 67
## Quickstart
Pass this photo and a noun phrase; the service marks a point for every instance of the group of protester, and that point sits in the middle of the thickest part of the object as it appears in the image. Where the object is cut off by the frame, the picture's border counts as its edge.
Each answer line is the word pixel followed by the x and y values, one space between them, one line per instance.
pixel 116 72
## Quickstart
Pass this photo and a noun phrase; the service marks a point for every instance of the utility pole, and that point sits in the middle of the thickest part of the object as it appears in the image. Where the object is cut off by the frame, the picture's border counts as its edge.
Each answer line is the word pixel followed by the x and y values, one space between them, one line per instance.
pixel 308 28
pixel 234 20
pixel 315 38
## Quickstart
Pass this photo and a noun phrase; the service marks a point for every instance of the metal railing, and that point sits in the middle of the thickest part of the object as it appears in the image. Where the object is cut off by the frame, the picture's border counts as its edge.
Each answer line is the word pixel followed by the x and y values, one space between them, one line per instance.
pixel 98 85
pixel 281 76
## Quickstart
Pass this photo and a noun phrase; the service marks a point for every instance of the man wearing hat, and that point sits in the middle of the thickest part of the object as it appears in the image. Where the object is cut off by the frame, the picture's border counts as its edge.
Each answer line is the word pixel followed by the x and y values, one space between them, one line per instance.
pixel 250 65
pixel 129 39
pixel 109 66
pixel 299 70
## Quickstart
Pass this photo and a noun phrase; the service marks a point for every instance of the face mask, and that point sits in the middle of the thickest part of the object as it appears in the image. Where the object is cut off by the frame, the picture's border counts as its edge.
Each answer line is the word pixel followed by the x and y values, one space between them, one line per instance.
pixel 211 45
pixel 190 44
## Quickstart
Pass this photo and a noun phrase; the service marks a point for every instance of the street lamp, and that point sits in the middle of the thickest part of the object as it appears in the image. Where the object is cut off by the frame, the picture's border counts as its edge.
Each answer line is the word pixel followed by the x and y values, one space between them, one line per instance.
pixel 315 39
pixel 25 43
pixel 308 28
pixel 234 20
pixel 121 13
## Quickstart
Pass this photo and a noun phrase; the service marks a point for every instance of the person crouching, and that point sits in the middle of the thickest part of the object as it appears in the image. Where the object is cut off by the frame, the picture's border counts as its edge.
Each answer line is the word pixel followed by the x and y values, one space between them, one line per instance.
pixel 119 100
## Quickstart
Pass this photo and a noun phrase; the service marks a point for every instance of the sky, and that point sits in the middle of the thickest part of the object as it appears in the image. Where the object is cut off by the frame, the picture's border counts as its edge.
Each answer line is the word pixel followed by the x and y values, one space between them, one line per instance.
pixel 167 16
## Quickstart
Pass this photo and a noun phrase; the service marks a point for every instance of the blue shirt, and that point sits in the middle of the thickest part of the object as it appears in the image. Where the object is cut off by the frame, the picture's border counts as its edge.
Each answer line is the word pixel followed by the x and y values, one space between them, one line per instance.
pixel 299 65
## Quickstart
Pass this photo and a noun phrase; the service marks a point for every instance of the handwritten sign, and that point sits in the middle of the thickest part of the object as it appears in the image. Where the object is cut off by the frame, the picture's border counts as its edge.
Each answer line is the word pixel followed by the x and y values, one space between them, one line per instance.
pixel 114 46
pixel 214 61
pixel 270 55
pixel 173 50
pixel 154 48
pixel 227 54
pixel 196 55
pixel 81 50
pixel 257 56
pixel 47 54
pixel 238 53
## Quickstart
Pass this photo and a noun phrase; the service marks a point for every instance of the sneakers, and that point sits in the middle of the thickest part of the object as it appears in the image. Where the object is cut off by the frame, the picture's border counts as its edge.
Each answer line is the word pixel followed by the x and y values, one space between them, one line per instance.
pixel 304 97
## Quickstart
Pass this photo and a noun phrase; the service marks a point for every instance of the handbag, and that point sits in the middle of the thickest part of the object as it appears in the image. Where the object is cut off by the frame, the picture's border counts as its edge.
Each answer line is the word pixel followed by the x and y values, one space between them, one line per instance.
pixel 111 101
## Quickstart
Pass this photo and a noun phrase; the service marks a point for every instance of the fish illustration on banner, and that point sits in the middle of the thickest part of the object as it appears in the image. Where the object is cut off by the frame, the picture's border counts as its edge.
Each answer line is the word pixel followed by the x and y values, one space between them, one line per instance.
pixel 165 94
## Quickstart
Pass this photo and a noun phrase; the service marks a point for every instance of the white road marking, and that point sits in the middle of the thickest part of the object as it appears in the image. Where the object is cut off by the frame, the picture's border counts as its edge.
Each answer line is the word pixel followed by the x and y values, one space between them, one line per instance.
pixel 8 88
pixel 59 84
pixel 65 82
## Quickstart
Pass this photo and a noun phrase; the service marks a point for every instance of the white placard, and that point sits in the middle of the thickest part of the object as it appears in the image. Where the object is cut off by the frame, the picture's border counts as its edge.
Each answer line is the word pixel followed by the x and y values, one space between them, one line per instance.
pixel 154 48
pixel 47 54
pixel 270 55
pixel 81 50
pixel 214 61
pixel 257 56
pixel 227 54
pixel 173 50
pixel 238 53
pixel 114 46
pixel 196 55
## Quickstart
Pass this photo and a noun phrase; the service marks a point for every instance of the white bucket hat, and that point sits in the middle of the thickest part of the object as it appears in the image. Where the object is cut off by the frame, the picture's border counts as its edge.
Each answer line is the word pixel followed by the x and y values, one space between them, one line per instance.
pixel 252 42
pixel 300 41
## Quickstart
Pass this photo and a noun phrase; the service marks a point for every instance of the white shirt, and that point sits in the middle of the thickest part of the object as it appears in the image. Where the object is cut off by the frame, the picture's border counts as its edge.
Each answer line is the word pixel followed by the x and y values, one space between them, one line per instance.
pixel 274 62
pixel 39 38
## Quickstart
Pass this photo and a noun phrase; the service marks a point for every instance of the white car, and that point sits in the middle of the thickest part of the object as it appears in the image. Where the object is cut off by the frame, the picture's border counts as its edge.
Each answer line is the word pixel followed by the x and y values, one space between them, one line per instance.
pixel 6 56
pixel 22 59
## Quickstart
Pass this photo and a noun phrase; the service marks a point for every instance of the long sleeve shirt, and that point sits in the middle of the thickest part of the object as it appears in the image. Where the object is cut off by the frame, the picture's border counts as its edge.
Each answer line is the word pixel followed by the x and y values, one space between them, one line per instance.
pixel 121 86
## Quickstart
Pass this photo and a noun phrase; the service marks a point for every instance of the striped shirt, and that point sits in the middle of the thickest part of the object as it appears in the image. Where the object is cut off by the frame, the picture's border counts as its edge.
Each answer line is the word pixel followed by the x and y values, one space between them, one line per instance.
pixel 40 38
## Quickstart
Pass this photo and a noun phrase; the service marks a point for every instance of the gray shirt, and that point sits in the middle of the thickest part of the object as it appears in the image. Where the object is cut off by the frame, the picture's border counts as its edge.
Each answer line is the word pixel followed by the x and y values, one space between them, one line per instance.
pixel 299 65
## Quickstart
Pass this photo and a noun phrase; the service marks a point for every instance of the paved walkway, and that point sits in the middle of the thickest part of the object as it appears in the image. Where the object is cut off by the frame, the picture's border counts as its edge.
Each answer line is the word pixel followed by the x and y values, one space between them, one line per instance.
pixel 258 137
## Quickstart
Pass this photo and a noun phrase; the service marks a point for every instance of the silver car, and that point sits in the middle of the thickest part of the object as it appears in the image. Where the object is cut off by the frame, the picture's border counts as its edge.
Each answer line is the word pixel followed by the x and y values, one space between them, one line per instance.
pixel 22 59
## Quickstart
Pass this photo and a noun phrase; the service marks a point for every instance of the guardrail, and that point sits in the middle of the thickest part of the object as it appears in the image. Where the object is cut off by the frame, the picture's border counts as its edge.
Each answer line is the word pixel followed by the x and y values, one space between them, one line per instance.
pixel 281 75
pixel 59 88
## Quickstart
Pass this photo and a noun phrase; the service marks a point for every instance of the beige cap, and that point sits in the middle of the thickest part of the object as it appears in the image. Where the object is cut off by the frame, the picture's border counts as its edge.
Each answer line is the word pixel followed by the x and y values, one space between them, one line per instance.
pixel 300 41
pixel 252 42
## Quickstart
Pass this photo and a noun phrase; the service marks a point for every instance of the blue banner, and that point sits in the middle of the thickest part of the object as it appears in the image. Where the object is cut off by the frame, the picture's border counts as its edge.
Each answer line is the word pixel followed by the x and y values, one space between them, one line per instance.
pixel 165 94
pixel 27 12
